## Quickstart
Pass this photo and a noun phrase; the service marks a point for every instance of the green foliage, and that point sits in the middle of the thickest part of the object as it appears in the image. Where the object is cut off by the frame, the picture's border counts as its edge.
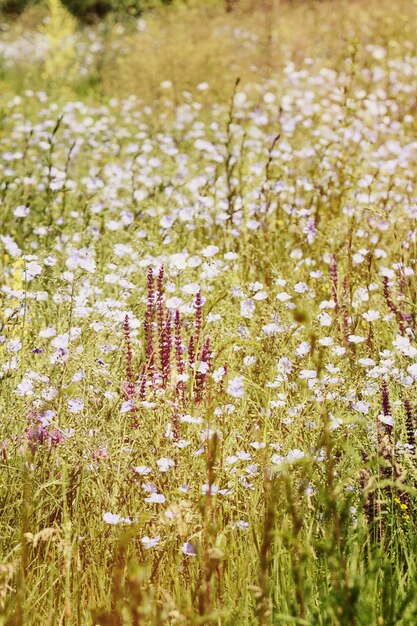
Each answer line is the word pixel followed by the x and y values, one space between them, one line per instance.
pixel 94 9
pixel 13 7
pixel 87 10
pixel 314 520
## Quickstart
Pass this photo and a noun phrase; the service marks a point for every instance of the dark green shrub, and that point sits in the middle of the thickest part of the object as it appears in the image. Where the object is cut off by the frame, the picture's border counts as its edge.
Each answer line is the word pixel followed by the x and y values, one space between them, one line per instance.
pixel 14 7
pixel 86 10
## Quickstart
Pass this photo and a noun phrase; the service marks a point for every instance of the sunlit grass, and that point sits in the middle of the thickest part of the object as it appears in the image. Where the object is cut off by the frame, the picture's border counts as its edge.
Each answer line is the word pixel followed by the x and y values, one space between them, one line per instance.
pixel 207 317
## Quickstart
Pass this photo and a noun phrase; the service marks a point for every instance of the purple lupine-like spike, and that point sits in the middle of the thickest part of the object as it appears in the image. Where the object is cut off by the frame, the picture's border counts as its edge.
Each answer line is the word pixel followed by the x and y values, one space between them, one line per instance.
pixel 410 423
pixel 149 325
pixel 179 358
pixel 178 343
pixel 160 280
pixel 386 405
pixel 129 353
pixel 128 390
pixel 198 322
pixel 160 314
pixel 345 310
pixel 149 319
pixel 191 351
pixel 142 387
pixel 335 281
pixel 129 387
pixel 201 376
pixel 166 350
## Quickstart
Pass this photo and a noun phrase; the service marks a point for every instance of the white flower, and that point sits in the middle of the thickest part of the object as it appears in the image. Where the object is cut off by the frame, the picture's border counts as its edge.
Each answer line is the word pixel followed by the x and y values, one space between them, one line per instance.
pixel 361 407
pixel 403 345
pixel 247 308
pixel 188 549
pixel 166 221
pixel 81 258
pixel 25 388
pixel 300 287
pixel 126 406
pixel 156 498
pixel 10 246
pixel 209 489
pixel 308 374
pixel 302 349
pixel 191 289
pixel 150 543
pixel 32 269
pixel 366 362
pixel 164 464
pixel 283 296
pixel 203 367
pixel 173 303
pixel 56 184
pixel 142 470
pixel 235 387
pixel 294 455
pixel 218 374
pixel 210 251
pixel 61 341
pixel 355 339
pixel 213 317
pixel 46 417
pixel 326 341
pixel 324 319
pixel 386 419
pixel 258 445
pixel 387 272
pixel 361 294
pixel 47 332
pixel 240 98
pixel 372 316
pixel 111 518
pixel 76 405
pixel 60 356
pixel 261 295
pixel 272 329
pixel 189 419
pixel 21 211
pixel 14 345
pixel 241 525
pixel 412 370
pixel 284 365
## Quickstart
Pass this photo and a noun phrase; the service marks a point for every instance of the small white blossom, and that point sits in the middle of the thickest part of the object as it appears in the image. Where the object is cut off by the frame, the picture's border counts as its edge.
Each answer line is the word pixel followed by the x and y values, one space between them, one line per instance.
pixel 235 387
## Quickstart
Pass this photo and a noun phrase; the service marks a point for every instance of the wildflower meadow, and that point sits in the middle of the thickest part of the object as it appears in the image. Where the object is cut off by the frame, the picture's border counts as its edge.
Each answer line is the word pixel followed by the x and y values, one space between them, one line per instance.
pixel 208 322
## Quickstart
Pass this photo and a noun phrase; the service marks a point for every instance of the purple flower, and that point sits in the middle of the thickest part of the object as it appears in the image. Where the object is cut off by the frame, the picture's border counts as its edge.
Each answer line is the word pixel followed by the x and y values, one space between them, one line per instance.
pixel 188 549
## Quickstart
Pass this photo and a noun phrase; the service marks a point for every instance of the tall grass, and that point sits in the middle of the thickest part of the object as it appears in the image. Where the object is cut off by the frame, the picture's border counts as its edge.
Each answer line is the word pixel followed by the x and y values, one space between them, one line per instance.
pixel 207 319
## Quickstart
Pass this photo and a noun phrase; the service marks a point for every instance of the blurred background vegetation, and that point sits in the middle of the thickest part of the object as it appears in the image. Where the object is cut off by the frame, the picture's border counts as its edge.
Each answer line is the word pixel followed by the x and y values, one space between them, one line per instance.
pixel 118 48
pixel 94 10
pixel 85 10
